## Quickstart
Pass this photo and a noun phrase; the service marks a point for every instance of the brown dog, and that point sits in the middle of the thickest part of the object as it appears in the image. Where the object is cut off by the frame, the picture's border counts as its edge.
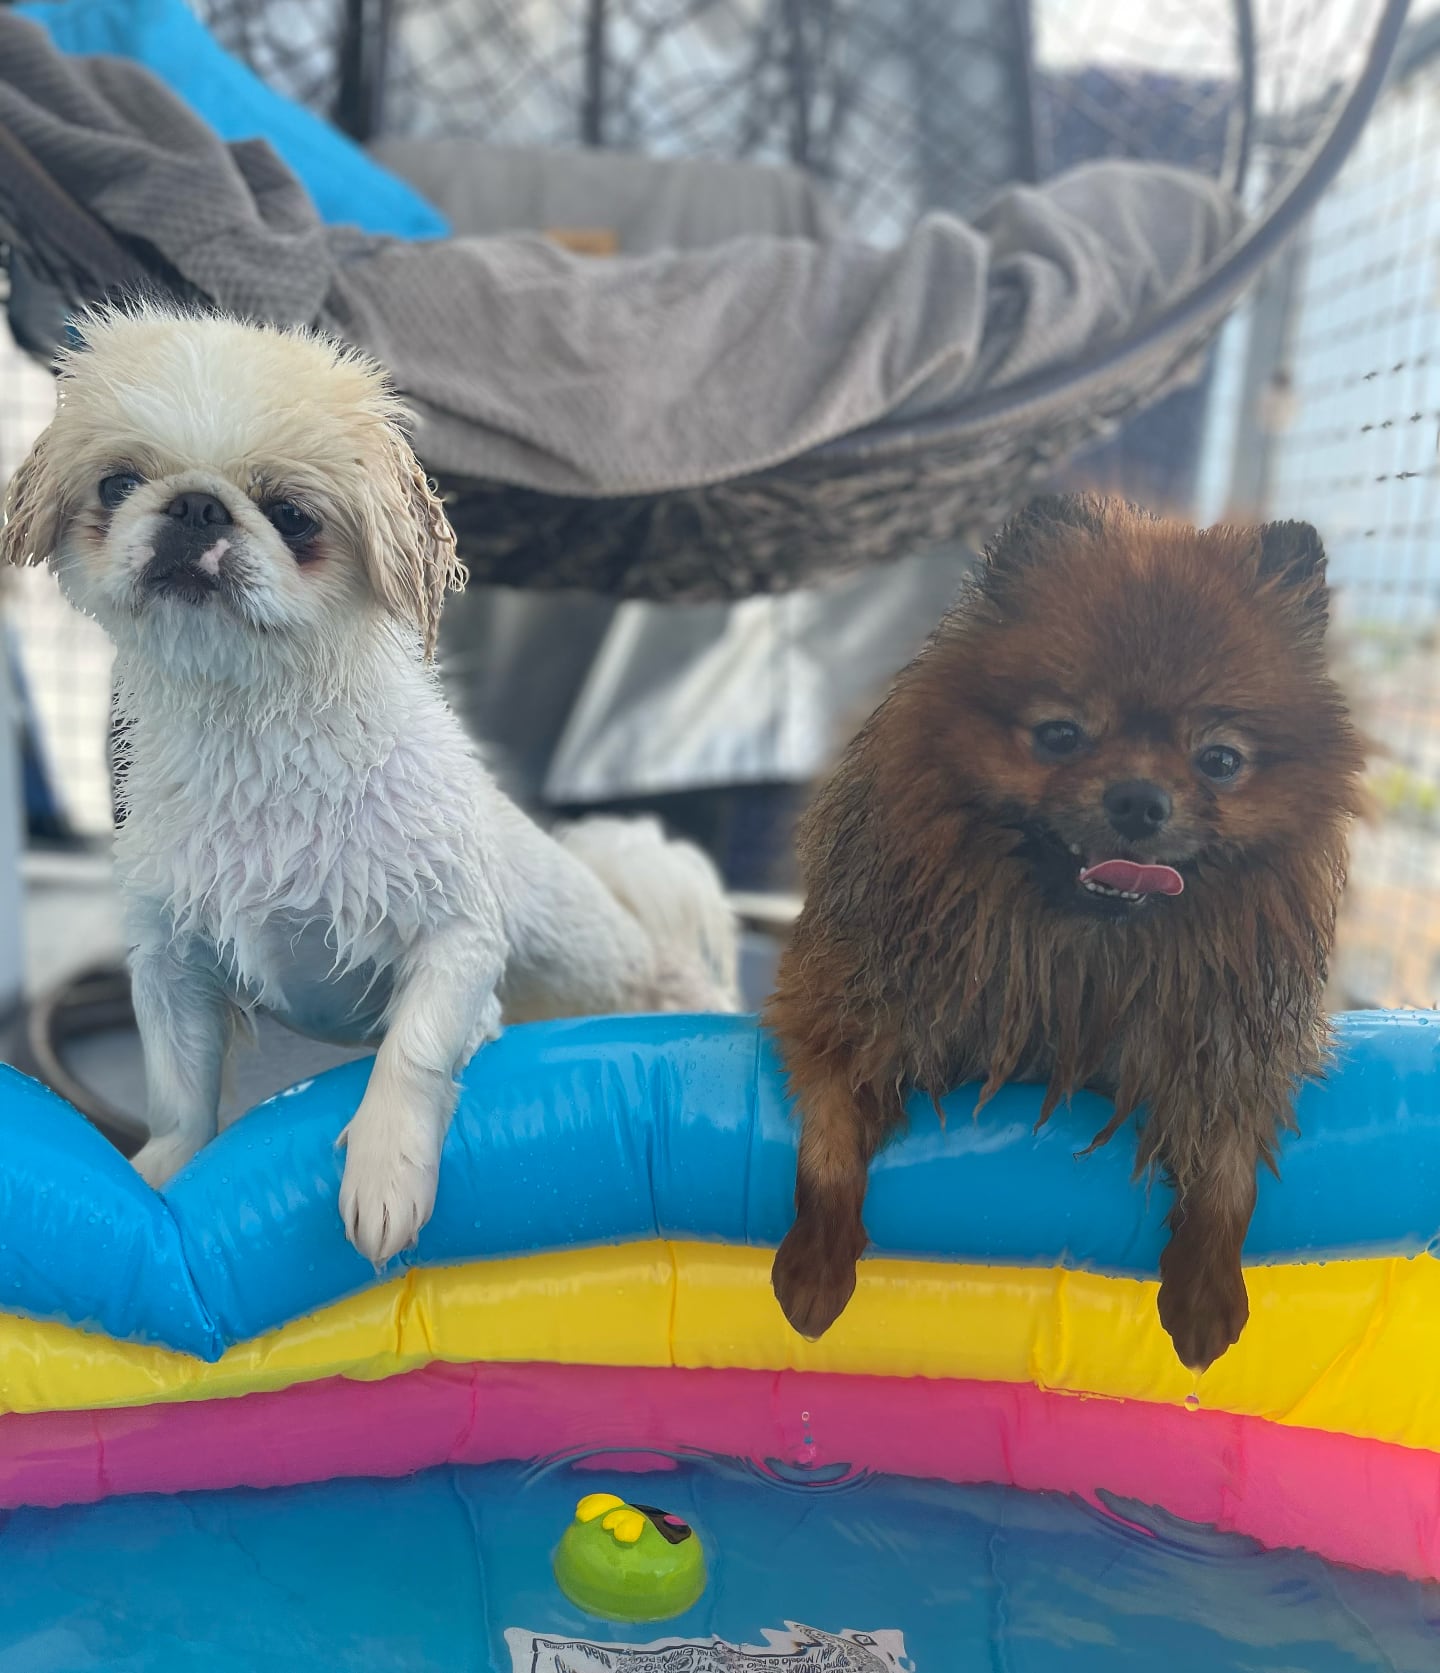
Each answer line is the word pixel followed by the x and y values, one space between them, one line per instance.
pixel 1094 837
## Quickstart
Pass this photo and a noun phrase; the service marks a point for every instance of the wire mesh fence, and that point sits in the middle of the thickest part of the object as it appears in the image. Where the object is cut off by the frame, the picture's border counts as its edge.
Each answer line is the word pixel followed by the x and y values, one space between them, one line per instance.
pixel 1348 423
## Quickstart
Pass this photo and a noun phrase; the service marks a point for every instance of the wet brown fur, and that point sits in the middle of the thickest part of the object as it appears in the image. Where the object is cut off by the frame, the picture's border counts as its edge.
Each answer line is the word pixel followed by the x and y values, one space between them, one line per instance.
pixel 928 953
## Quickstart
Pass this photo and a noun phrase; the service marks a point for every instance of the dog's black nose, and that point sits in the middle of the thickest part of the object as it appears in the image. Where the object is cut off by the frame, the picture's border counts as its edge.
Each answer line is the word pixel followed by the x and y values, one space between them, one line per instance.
pixel 1138 809
pixel 197 511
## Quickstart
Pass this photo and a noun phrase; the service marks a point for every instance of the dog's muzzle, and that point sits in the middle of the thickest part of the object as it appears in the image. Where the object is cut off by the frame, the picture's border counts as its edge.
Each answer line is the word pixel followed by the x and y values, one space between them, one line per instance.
pixel 189 550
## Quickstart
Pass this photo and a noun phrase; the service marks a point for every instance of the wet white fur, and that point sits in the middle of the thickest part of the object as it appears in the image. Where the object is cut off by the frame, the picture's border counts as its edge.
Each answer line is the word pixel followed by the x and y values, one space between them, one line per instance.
pixel 309 829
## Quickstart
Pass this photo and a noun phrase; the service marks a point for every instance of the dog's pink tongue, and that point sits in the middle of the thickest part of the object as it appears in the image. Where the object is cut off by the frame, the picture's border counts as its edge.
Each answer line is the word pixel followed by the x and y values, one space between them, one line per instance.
pixel 1135 879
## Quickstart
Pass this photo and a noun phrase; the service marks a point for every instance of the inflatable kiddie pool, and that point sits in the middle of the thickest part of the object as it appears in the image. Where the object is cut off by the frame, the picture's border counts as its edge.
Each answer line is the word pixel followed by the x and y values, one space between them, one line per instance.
pixel 227 1444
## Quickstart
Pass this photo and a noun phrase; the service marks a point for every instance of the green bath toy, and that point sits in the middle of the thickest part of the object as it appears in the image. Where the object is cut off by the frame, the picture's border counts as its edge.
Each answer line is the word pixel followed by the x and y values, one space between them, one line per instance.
pixel 624 1562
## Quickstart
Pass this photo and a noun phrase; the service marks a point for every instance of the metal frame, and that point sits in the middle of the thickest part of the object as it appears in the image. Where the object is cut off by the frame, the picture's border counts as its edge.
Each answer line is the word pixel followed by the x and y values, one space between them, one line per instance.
pixel 364 49
pixel 1238 166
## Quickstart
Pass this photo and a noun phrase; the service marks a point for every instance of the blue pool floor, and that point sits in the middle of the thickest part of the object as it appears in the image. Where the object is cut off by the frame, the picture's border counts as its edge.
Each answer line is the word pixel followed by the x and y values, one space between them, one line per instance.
pixel 427 1575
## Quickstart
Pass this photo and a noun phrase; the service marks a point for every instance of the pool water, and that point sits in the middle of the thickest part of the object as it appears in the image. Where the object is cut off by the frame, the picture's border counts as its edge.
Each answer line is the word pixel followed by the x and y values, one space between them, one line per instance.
pixel 449 1572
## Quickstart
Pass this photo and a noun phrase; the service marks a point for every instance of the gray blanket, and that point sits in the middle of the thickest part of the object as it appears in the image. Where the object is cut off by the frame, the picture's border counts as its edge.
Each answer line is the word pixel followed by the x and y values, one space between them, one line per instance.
pixel 637 373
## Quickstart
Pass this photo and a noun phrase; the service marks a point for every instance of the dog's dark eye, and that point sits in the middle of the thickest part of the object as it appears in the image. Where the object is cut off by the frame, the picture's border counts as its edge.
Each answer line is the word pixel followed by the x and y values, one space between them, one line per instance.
pixel 1220 763
pixel 290 522
pixel 1055 739
pixel 114 489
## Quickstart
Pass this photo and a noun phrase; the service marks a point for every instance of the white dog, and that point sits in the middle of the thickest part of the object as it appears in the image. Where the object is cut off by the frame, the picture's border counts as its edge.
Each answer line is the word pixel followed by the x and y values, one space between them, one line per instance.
pixel 308 829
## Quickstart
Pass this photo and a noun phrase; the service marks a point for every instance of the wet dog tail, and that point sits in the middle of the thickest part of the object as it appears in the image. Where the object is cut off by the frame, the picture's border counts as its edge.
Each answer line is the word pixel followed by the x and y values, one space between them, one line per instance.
pixel 675 893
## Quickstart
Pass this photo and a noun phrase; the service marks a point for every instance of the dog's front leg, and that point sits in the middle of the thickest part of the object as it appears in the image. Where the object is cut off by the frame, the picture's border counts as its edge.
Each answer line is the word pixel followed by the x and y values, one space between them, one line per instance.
pixel 184 1016
pixel 444 1008
pixel 1203 1304
pixel 843 1124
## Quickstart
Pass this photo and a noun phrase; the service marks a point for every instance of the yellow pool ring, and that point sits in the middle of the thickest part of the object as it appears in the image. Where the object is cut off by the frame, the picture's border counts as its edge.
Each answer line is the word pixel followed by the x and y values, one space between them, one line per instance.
pixel 1351 1347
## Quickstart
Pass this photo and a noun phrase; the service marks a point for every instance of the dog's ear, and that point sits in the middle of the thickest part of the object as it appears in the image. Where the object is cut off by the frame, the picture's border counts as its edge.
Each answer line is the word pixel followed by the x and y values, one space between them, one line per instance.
pixel 1292 553
pixel 1066 511
pixel 410 551
pixel 1292 556
pixel 1033 530
pixel 32 508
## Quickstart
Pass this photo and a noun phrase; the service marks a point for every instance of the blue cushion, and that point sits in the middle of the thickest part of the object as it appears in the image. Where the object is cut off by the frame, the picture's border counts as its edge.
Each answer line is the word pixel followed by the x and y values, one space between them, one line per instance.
pixel 348 189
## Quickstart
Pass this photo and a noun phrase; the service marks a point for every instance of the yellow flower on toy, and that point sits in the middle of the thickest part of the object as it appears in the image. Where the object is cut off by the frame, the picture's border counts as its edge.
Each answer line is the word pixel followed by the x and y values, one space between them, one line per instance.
pixel 626 1524
pixel 596 1504
pixel 622 1521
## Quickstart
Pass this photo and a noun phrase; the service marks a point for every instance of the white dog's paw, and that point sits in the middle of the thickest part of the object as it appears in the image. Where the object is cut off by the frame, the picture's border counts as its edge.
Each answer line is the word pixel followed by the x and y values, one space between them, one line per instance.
pixel 158 1160
pixel 388 1188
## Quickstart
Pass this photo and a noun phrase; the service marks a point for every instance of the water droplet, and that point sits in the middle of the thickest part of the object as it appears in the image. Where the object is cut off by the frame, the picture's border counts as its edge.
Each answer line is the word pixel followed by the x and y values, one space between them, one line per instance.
pixel 1193 1402
pixel 804 1417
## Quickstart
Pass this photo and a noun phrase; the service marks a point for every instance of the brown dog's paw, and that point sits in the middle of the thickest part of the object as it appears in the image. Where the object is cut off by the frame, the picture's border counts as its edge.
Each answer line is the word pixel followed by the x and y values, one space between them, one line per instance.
pixel 1203 1310
pixel 814 1278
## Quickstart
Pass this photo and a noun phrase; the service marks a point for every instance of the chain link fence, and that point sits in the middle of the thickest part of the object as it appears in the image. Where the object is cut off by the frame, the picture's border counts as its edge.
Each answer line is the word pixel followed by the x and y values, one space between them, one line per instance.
pixel 1339 423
